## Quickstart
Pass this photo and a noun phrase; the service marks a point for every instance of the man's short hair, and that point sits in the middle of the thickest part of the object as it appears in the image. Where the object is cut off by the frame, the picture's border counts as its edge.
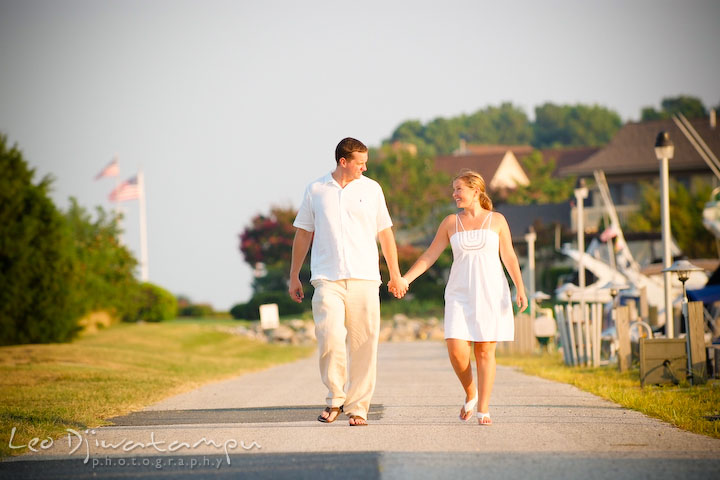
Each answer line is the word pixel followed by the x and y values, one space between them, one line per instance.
pixel 347 146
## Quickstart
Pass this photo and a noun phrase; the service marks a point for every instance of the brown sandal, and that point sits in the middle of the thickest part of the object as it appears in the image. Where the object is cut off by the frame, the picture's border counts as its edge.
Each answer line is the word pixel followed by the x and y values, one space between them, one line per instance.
pixel 355 418
pixel 330 411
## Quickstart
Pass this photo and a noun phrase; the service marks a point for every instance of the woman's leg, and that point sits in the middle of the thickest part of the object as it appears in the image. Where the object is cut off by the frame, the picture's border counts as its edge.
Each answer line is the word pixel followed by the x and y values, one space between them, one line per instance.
pixel 485 358
pixel 460 352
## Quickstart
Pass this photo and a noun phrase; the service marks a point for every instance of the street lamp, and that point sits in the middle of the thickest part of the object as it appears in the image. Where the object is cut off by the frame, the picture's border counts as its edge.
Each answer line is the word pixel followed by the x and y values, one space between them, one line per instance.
pixel 530 238
pixel 683 268
pixel 614 291
pixel 581 193
pixel 664 150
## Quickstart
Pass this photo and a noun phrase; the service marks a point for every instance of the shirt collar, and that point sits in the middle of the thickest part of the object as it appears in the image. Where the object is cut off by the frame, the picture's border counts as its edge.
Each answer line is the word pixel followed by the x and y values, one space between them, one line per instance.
pixel 329 179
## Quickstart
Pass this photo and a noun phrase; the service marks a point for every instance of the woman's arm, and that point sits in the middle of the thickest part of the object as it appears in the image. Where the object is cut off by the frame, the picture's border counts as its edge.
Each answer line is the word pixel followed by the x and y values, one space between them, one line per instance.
pixel 510 260
pixel 429 256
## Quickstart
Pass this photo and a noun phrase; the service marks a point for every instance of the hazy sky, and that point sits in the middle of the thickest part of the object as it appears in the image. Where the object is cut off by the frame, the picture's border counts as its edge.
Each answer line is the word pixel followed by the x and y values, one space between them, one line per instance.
pixel 233 106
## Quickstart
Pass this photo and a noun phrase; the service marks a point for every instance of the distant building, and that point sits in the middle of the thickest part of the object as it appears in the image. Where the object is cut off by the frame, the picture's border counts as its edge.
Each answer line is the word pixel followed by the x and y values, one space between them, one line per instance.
pixel 629 159
pixel 497 164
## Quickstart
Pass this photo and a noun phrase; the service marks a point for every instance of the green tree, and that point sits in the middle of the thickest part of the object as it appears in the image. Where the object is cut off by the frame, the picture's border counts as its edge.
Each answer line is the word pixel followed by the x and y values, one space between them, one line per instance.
pixel 103 277
pixel 505 124
pixel 686 207
pixel 543 186
pixel 574 125
pixel 691 107
pixel 417 195
pixel 35 257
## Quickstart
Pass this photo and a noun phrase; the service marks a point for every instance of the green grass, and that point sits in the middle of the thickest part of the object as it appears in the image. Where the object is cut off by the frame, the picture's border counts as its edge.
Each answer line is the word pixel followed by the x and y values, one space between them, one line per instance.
pixel 682 405
pixel 47 388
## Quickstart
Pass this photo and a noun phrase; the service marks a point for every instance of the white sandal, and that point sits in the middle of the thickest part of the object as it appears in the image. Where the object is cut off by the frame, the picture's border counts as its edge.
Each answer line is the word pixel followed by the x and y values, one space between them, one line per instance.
pixel 482 416
pixel 468 408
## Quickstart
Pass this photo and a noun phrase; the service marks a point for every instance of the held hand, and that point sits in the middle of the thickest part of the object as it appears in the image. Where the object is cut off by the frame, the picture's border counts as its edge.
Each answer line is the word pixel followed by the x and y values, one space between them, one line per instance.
pixel 295 290
pixel 398 287
pixel 522 301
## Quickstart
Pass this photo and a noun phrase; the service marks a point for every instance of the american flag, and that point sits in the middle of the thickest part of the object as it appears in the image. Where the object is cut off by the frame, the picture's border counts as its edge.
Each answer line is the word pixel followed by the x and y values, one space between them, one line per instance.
pixel 111 170
pixel 128 190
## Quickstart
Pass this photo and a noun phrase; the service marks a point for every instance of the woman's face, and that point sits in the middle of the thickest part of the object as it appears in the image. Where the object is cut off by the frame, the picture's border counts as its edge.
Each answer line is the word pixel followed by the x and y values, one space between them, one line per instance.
pixel 463 194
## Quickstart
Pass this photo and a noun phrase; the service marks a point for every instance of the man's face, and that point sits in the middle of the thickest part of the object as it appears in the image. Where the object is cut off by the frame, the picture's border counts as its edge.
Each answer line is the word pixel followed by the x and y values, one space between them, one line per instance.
pixel 356 164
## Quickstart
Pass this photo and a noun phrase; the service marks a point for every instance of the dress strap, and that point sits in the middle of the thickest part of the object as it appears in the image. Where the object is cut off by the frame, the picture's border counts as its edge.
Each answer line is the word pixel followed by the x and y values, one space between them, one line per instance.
pixel 458 221
pixel 486 220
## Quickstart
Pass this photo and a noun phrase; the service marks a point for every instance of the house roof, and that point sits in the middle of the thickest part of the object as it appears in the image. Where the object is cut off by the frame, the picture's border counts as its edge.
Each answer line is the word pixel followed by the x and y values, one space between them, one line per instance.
pixel 485 164
pixel 567 157
pixel 632 150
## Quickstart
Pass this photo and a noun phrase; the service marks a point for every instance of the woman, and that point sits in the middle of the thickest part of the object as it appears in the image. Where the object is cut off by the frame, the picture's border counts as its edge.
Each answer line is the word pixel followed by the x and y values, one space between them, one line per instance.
pixel 478 308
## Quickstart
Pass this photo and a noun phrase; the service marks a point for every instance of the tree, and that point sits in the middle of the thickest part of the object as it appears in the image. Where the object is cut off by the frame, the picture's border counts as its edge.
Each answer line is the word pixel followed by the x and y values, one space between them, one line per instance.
pixel 35 258
pixel 269 238
pixel 686 207
pixel 505 124
pixel 543 187
pixel 103 269
pixel 266 245
pixel 691 107
pixel 574 125
pixel 417 195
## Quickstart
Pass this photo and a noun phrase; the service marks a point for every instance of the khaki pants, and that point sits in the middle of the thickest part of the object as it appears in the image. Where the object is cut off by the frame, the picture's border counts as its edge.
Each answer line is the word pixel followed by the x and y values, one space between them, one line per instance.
pixel 347 325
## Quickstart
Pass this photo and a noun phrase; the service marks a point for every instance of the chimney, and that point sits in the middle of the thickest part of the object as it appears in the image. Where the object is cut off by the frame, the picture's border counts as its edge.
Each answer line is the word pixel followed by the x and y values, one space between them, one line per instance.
pixel 713 121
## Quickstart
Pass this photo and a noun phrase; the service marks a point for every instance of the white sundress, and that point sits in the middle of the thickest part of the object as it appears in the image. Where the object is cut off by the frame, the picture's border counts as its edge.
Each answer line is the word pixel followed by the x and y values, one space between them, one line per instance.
pixel 478 306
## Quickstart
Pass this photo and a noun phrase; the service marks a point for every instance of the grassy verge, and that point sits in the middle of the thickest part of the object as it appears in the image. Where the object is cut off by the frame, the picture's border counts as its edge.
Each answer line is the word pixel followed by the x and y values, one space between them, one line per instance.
pixel 45 389
pixel 682 405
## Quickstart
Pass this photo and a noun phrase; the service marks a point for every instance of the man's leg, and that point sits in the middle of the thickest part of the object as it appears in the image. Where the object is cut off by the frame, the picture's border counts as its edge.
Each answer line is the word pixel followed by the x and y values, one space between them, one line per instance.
pixel 363 325
pixel 328 306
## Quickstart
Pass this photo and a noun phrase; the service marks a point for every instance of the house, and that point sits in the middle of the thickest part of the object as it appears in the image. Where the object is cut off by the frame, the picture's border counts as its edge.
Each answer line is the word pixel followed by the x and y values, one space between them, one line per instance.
pixel 629 159
pixel 501 167
pixel 498 165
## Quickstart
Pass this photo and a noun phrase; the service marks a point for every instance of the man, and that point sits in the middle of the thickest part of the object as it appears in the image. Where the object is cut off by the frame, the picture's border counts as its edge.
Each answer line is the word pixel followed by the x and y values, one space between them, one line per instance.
pixel 342 215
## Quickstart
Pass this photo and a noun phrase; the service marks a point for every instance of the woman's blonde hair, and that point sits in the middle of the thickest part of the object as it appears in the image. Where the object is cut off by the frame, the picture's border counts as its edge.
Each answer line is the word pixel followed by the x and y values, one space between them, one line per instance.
pixel 474 180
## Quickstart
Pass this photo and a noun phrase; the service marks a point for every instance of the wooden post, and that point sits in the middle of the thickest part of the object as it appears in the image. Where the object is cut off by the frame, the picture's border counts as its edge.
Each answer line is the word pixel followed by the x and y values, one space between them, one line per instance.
pixel 579 337
pixel 644 309
pixel 622 325
pixel 696 350
pixel 596 324
pixel 571 335
pixel 588 333
pixel 560 319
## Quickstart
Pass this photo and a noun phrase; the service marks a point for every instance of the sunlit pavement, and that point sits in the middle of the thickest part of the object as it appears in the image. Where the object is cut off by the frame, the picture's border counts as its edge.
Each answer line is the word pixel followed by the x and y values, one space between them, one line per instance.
pixel 262 425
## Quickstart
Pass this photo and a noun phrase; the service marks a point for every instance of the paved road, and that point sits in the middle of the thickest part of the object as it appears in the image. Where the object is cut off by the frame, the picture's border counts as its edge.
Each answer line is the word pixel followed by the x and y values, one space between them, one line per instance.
pixel 262 425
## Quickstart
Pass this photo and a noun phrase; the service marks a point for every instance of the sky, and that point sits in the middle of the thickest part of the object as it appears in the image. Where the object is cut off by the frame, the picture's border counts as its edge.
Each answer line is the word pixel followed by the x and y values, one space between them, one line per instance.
pixel 231 107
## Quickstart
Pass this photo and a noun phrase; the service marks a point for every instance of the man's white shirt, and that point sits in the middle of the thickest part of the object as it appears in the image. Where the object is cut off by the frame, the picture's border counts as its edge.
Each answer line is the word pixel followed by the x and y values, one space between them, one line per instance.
pixel 345 222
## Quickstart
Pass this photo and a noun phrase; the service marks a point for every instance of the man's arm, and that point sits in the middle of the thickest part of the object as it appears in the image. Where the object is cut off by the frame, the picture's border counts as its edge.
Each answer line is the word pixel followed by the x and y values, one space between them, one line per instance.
pixel 397 285
pixel 301 245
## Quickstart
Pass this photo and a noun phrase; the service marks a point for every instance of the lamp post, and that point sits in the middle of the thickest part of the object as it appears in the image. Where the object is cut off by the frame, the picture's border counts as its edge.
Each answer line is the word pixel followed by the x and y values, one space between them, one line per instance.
pixel 683 268
pixel 530 238
pixel 614 289
pixel 581 194
pixel 664 150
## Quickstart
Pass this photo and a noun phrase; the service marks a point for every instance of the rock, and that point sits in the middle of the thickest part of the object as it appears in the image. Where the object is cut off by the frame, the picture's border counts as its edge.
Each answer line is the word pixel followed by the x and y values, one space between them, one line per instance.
pixel 282 333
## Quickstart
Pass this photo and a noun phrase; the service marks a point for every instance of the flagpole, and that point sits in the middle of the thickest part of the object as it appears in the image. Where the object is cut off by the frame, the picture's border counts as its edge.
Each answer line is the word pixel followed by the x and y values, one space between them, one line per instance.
pixel 118 209
pixel 143 227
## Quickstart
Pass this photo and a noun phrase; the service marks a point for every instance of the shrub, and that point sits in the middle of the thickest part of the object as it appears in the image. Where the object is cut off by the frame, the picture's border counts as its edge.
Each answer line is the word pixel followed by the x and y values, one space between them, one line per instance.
pixel 197 310
pixel 152 304
pixel 35 258
pixel 251 309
